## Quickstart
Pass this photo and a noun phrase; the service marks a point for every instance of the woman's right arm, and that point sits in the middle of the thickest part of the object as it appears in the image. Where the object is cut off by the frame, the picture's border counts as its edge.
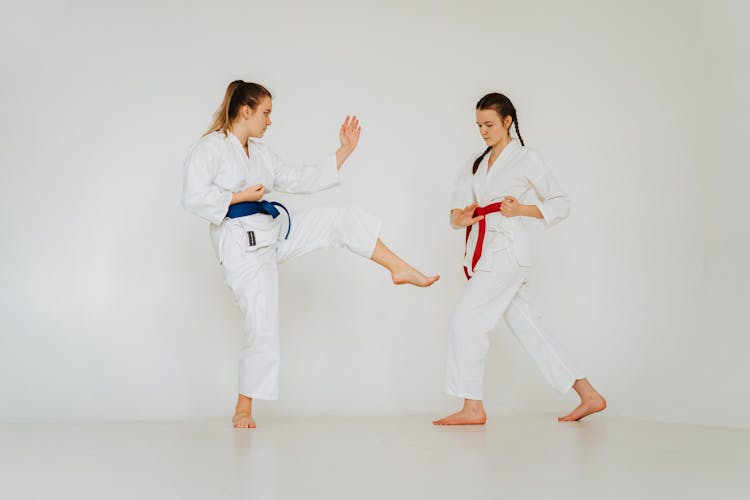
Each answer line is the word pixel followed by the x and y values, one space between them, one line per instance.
pixel 253 193
pixel 463 217
pixel 462 195
pixel 204 198
pixel 200 195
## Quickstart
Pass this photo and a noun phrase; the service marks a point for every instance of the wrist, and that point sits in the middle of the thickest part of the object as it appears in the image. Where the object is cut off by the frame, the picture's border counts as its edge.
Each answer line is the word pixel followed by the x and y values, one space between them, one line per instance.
pixel 342 153
pixel 529 211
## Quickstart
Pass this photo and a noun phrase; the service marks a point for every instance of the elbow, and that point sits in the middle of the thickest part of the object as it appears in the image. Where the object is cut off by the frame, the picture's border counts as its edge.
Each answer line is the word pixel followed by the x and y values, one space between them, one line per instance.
pixel 188 202
pixel 552 215
pixel 185 202
pixel 566 210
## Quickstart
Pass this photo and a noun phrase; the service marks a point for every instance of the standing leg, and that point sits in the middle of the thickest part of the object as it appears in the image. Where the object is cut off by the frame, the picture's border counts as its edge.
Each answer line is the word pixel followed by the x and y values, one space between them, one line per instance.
pixel 243 413
pixel 526 325
pixel 254 281
pixel 349 227
pixel 486 297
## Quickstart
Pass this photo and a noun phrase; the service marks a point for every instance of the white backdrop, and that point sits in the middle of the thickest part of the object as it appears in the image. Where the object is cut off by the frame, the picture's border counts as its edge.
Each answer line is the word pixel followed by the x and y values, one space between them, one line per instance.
pixel 113 306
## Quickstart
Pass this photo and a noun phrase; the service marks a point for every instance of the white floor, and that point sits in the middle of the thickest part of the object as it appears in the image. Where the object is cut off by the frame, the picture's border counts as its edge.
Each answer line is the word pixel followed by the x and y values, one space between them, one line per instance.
pixel 374 458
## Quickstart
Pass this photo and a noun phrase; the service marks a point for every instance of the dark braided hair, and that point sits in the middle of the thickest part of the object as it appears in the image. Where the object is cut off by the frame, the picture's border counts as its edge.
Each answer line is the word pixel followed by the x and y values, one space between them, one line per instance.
pixel 503 107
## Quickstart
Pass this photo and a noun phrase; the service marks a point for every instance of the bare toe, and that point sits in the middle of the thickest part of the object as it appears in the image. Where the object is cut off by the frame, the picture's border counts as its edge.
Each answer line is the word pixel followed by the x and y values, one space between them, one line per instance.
pixel 243 420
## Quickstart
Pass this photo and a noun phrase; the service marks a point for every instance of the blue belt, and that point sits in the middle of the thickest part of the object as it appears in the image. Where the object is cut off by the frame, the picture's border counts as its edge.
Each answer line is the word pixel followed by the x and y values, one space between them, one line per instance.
pixel 259 207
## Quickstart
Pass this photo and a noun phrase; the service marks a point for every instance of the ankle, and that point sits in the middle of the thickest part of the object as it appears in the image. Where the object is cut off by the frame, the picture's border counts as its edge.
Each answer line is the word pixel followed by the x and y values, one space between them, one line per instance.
pixel 473 406
pixel 244 404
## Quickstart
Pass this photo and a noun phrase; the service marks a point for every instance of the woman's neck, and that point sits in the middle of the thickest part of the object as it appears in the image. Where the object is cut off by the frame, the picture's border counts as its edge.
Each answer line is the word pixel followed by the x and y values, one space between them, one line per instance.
pixel 498 148
pixel 243 136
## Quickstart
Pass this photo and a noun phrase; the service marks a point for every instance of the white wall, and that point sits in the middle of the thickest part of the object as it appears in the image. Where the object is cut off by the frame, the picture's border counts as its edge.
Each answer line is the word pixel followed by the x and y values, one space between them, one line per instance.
pixel 113 306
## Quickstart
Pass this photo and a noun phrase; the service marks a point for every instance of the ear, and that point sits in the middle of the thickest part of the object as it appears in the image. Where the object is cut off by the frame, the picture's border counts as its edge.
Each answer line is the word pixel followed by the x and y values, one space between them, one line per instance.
pixel 507 122
pixel 247 111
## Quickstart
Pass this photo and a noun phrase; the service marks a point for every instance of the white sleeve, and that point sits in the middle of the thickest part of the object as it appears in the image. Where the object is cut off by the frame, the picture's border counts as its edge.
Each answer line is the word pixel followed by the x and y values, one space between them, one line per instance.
pixel 554 204
pixel 304 177
pixel 462 193
pixel 200 195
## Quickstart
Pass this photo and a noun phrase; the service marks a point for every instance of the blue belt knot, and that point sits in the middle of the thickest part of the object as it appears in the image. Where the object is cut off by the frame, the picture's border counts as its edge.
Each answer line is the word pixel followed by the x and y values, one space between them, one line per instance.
pixel 259 207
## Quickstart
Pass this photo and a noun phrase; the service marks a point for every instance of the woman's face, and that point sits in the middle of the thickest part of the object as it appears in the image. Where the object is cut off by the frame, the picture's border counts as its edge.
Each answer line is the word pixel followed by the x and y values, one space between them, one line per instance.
pixel 491 127
pixel 259 119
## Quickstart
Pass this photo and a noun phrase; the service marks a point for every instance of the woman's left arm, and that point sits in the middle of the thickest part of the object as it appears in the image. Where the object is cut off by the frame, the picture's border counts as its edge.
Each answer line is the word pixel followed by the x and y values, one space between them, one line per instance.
pixel 313 177
pixel 511 208
pixel 554 203
pixel 349 137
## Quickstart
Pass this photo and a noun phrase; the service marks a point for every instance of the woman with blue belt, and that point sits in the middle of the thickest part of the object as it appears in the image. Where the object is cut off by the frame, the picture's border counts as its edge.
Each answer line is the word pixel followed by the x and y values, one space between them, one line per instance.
pixel 227 176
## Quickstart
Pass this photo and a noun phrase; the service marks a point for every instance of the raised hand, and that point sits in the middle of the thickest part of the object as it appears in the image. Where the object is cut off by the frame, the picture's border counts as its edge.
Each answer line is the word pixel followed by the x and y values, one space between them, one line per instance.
pixel 349 133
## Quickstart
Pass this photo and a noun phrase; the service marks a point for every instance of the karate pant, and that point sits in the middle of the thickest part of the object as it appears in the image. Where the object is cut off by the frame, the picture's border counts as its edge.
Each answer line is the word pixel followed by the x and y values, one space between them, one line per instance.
pixel 488 296
pixel 253 278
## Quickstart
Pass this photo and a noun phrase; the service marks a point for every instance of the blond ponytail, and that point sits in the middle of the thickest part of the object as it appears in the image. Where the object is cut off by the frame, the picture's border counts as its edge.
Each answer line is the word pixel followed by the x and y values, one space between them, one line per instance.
pixel 239 93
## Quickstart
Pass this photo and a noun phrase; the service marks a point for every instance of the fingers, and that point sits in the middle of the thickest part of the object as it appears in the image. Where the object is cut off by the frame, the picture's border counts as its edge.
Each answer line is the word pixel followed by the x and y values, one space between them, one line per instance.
pixel 351 124
pixel 509 206
pixel 469 210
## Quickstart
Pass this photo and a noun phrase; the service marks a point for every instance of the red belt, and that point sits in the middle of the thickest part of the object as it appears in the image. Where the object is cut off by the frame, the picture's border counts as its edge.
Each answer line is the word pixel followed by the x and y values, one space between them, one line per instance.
pixel 489 209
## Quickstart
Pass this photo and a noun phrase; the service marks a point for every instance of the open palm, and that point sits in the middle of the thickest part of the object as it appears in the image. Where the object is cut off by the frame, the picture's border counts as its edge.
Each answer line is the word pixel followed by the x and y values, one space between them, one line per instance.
pixel 349 133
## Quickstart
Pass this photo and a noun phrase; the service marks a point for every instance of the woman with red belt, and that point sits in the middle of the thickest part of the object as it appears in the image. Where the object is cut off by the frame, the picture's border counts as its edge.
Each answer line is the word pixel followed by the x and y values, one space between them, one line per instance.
pixel 485 201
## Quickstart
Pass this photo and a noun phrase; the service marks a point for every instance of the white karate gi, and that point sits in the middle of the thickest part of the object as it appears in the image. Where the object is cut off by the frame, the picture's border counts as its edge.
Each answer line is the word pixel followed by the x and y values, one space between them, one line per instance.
pixel 497 286
pixel 216 167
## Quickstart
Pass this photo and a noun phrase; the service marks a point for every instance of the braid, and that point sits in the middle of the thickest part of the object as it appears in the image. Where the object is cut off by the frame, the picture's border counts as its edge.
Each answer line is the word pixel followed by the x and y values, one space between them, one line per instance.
pixel 518 132
pixel 479 160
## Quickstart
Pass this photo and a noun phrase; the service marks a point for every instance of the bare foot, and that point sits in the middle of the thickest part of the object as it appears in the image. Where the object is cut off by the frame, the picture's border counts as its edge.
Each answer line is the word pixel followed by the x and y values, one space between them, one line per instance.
pixel 471 414
pixel 401 272
pixel 243 420
pixel 243 413
pixel 591 402
pixel 408 275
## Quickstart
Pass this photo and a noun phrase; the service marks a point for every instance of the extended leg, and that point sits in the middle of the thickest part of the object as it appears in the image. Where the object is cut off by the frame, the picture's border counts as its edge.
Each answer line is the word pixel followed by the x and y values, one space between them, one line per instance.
pixel 352 228
pixel 526 325
pixel 401 272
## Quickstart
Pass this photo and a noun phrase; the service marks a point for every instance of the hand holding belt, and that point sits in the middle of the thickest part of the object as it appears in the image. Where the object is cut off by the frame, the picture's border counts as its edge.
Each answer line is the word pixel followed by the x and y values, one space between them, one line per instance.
pixel 489 209
pixel 259 207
